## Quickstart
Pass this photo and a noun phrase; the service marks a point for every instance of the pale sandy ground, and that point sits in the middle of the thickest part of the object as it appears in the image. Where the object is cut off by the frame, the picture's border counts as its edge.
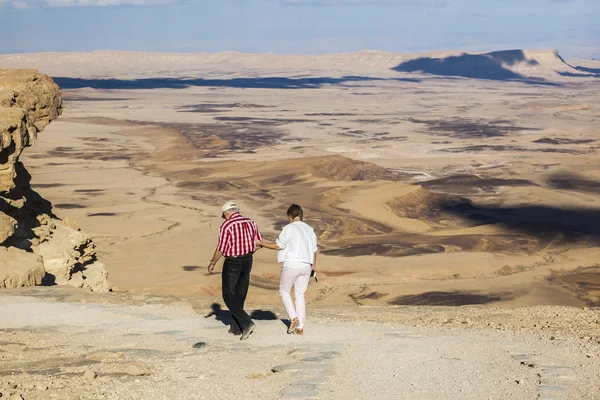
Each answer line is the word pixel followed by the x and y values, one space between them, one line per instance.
pixel 65 344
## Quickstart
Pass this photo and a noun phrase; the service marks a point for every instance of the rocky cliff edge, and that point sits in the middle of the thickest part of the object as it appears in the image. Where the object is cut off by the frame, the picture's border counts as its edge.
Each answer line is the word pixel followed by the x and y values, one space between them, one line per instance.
pixel 36 247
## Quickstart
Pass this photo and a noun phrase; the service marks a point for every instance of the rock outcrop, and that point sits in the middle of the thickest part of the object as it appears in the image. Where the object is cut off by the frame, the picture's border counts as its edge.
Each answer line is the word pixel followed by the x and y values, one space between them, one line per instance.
pixel 35 245
pixel 19 268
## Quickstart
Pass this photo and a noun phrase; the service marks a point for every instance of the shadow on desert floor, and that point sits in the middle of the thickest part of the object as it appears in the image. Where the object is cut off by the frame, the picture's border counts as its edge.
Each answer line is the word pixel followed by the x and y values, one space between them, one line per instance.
pixel 456 298
pixel 224 316
pixel 574 182
pixel 539 221
pixel 240 83
pixel 478 66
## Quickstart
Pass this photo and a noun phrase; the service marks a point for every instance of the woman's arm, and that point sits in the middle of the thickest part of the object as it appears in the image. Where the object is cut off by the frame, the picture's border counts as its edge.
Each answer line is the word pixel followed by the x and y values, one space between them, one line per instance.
pixel 280 244
pixel 269 245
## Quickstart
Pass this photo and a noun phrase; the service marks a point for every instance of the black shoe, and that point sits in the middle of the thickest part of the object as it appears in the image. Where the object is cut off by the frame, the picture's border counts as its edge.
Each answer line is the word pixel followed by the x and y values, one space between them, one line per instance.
pixel 248 331
pixel 234 331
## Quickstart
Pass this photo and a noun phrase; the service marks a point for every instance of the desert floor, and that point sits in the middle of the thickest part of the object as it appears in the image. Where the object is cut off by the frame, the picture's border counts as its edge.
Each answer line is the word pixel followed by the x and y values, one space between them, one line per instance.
pixel 425 190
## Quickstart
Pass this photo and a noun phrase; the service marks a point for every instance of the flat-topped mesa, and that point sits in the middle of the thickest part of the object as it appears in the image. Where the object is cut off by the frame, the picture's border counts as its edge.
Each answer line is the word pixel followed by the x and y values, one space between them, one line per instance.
pixel 140 70
pixel 537 66
pixel 34 244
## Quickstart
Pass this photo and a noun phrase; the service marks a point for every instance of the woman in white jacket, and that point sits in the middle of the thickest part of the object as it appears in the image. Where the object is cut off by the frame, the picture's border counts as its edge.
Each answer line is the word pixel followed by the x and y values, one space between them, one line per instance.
pixel 297 245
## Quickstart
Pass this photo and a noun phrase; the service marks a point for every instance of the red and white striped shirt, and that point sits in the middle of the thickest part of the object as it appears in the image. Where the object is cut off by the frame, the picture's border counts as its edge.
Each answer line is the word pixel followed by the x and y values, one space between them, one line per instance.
pixel 237 236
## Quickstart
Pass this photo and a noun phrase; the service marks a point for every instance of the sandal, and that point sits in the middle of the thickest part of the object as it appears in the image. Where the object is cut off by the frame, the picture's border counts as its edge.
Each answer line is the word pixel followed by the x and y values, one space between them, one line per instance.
pixel 293 325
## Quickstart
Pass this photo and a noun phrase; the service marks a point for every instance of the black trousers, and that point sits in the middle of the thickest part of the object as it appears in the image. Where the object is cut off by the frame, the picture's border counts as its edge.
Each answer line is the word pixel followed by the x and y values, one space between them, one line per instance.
pixel 235 282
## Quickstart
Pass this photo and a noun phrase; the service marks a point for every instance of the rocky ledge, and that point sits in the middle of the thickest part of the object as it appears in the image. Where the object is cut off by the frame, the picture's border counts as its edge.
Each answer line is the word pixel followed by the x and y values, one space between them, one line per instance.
pixel 36 247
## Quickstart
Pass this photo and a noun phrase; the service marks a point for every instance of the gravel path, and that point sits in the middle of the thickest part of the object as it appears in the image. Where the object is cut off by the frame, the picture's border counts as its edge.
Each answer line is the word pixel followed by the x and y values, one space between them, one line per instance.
pixel 134 347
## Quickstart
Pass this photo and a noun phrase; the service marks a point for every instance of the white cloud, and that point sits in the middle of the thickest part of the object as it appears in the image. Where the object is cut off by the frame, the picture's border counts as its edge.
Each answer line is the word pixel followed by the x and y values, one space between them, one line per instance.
pixel 20 4
pixel 104 3
pixel 321 3
pixel 81 3
pixel 327 3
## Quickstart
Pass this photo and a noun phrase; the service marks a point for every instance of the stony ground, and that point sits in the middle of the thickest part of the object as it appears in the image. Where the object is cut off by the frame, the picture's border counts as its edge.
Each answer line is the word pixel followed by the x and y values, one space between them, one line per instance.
pixel 67 344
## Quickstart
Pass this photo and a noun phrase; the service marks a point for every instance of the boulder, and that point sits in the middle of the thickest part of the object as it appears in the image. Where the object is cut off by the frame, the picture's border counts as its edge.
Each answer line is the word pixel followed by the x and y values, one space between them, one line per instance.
pixel 19 268
pixel 64 250
pixel 71 223
pixel 7 226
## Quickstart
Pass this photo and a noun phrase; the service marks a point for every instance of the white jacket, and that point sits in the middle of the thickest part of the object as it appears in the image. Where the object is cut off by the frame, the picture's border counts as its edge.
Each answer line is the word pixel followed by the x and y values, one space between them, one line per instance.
pixel 298 244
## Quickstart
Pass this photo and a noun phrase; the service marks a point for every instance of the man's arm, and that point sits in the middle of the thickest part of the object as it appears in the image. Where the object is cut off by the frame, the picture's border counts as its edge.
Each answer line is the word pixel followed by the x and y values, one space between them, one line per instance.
pixel 222 244
pixel 314 266
pixel 213 261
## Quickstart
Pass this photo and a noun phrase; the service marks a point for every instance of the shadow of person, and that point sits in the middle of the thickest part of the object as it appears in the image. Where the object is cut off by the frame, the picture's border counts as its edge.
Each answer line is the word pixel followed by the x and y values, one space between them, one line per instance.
pixel 221 315
pixel 263 315
pixel 266 315
pixel 286 321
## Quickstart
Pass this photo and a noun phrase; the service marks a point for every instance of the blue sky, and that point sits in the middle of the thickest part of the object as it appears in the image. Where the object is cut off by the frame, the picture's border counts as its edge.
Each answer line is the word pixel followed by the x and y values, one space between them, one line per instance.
pixel 300 26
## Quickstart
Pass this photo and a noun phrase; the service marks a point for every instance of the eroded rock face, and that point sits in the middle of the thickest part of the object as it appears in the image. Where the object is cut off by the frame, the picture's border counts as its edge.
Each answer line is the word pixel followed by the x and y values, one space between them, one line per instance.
pixel 28 102
pixel 34 243
pixel 19 268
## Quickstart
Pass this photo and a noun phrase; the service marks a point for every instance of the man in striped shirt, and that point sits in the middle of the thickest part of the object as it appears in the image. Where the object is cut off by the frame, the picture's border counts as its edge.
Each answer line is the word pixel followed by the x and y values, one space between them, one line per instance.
pixel 237 243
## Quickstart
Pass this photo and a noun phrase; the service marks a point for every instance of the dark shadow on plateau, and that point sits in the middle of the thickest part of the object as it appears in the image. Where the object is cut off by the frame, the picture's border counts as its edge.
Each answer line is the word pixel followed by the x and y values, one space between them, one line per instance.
pixel 544 222
pixel 576 75
pixel 84 98
pixel 586 69
pixel 574 182
pixel 463 128
pixel 102 214
pixel 68 206
pixel 46 185
pixel 559 141
pixel 448 299
pixel 190 268
pixel 590 72
pixel 477 66
pixel 471 184
pixel 243 83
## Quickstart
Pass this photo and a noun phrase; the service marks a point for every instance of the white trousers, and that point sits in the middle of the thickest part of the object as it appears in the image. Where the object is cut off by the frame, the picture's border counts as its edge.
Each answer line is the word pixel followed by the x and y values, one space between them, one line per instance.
pixel 298 278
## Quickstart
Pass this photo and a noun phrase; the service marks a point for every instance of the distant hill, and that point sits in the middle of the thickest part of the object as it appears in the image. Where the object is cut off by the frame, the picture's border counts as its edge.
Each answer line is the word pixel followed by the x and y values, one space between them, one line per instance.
pixel 497 65
pixel 531 66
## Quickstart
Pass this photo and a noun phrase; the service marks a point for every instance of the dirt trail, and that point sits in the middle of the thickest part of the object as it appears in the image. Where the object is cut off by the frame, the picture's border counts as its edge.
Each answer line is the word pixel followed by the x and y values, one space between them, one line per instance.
pixel 67 344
